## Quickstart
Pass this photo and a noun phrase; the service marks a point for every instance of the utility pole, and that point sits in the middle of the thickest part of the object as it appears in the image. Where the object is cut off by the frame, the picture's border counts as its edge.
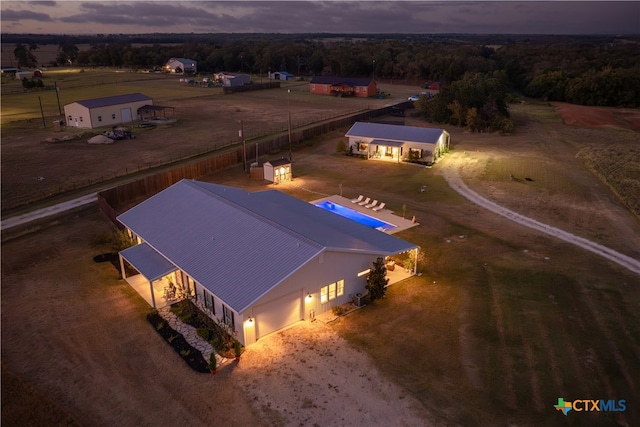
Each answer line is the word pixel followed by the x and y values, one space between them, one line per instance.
pixel 55 84
pixel 289 111
pixel 244 147
pixel 44 123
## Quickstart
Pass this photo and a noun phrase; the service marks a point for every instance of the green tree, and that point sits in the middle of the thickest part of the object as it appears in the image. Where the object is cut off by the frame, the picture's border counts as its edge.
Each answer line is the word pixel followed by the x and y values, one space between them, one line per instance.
pixel 24 55
pixel 377 280
pixel 67 53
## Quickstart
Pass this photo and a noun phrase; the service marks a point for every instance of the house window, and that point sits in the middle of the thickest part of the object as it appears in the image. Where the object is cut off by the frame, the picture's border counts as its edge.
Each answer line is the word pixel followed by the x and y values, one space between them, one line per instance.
pixel 99 118
pixel 113 116
pixel 208 302
pixel 357 89
pixel 228 316
pixel 332 291
pixel 313 86
pixel 364 90
pixel 70 119
pixel 325 88
pixel 80 118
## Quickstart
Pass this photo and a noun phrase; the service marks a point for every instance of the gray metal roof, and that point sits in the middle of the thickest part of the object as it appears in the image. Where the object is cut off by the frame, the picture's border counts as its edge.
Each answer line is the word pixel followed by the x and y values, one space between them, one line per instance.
pixel 394 132
pixel 148 262
pixel 113 100
pixel 240 245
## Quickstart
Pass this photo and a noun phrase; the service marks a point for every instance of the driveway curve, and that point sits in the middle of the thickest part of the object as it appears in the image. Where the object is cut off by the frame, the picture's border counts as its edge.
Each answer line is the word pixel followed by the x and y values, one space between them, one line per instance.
pixel 454 180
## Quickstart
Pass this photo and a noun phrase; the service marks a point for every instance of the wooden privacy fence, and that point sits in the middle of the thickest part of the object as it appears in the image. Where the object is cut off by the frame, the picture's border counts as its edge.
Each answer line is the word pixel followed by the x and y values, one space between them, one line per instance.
pixel 124 195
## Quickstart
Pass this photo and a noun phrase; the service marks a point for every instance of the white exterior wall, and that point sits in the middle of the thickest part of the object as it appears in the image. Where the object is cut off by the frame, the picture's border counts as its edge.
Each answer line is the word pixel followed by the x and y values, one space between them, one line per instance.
pixel 327 268
pixel 268 172
pixel 77 115
pixel 90 117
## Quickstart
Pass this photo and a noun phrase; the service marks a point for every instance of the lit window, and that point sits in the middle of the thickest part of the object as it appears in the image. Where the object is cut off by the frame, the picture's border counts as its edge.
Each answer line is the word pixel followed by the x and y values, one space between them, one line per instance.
pixel 332 291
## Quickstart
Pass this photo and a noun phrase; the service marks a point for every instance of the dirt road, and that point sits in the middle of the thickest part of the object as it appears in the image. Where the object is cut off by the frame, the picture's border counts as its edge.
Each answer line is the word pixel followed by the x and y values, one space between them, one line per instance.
pixel 450 173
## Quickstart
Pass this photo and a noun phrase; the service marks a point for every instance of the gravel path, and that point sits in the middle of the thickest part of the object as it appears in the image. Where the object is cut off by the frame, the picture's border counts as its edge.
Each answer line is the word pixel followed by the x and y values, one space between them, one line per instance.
pixel 454 180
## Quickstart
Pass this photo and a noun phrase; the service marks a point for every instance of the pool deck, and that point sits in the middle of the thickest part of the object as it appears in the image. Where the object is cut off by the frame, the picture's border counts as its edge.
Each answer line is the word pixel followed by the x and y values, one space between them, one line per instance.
pixel 385 215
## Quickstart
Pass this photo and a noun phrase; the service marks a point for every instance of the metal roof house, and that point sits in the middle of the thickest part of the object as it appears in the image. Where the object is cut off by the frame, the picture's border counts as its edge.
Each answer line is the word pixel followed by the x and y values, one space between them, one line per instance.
pixel 187 65
pixel 257 261
pixel 397 143
pixel 343 86
pixel 108 111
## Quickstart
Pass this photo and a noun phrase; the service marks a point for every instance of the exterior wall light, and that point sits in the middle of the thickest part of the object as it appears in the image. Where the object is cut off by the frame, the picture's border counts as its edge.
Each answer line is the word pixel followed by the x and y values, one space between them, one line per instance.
pixel 250 320
pixel 309 296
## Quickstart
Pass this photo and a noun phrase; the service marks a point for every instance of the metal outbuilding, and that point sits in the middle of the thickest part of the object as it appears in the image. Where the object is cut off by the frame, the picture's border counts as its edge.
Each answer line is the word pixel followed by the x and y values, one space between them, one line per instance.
pixel 108 111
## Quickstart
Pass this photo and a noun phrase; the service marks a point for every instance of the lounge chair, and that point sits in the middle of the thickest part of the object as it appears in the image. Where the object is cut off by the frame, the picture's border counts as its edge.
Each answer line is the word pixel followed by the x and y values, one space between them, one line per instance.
pixel 372 204
pixel 365 201
pixel 379 207
pixel 358 199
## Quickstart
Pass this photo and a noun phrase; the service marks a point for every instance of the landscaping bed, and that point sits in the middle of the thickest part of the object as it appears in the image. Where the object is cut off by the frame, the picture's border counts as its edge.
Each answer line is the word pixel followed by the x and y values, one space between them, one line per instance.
pixel 191 355
pixel 218 335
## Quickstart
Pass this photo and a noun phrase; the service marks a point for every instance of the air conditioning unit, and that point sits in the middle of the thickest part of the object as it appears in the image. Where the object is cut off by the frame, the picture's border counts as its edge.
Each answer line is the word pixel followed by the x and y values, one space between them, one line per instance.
pixel 358 300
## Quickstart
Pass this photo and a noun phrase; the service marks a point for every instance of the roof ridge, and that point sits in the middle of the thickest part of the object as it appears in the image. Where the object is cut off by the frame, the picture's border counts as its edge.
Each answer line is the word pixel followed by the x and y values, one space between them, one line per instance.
pixel 253 213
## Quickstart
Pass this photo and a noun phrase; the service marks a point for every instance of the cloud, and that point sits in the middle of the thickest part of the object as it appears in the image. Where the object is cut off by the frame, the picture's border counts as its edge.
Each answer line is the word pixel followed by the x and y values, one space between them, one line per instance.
pixel 356 17
pixel 22 15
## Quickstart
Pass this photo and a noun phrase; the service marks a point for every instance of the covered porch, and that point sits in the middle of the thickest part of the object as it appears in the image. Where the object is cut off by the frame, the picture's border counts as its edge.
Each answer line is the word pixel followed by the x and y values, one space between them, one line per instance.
pixel 156 278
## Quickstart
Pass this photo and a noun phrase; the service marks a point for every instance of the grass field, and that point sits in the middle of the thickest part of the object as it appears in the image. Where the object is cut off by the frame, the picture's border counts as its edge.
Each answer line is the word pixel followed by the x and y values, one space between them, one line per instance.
pixel 502 322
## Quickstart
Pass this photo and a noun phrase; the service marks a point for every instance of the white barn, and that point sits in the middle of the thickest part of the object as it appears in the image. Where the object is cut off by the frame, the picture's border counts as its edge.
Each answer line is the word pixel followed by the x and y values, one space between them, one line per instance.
pixel 187 65
pixel 257 261
pixel 108 111
pixel 397 143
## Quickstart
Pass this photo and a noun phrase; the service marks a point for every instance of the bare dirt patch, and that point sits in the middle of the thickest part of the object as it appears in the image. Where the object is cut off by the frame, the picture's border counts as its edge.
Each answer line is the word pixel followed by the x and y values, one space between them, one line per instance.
pixel 598 117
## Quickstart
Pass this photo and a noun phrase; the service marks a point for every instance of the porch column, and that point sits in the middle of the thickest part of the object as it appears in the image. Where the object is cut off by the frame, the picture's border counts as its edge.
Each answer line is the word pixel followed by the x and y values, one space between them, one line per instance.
pixel 122 271
pixel 415 264
pixel 153 297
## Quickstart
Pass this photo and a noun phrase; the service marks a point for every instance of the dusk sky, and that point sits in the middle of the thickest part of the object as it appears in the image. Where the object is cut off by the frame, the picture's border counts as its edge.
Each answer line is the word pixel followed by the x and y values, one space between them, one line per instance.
pixel 359 17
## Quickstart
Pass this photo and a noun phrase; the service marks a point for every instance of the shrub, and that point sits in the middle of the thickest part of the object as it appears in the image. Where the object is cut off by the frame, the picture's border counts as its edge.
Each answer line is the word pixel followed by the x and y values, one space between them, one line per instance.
pixel 341 147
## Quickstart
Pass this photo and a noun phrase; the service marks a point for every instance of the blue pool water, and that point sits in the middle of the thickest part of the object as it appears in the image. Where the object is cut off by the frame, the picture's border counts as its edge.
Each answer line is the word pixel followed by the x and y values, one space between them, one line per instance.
pixel 353 215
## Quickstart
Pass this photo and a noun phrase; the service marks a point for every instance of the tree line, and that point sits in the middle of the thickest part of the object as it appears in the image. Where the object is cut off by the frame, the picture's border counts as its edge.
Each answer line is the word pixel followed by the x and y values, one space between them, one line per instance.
pixel 477 73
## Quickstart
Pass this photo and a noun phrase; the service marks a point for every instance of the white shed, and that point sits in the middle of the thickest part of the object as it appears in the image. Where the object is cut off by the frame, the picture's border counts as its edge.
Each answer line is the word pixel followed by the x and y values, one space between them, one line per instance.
pixel 278 170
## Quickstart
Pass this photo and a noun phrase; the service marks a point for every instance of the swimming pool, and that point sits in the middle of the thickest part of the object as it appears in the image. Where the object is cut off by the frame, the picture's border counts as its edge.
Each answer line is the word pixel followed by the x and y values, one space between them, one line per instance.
pixel 353 215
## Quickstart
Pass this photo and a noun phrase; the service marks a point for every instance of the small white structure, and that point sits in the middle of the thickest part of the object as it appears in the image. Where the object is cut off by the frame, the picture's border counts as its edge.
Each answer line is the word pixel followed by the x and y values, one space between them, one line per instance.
pixel 232 79
pixel 277 171
pixel 397 143
pixel 174 65
pixel 258 262
pixel 108 111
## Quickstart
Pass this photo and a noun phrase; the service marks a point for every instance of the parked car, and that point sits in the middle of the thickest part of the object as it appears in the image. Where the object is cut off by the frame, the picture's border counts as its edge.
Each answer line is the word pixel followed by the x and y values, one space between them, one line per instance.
pixel 413 98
